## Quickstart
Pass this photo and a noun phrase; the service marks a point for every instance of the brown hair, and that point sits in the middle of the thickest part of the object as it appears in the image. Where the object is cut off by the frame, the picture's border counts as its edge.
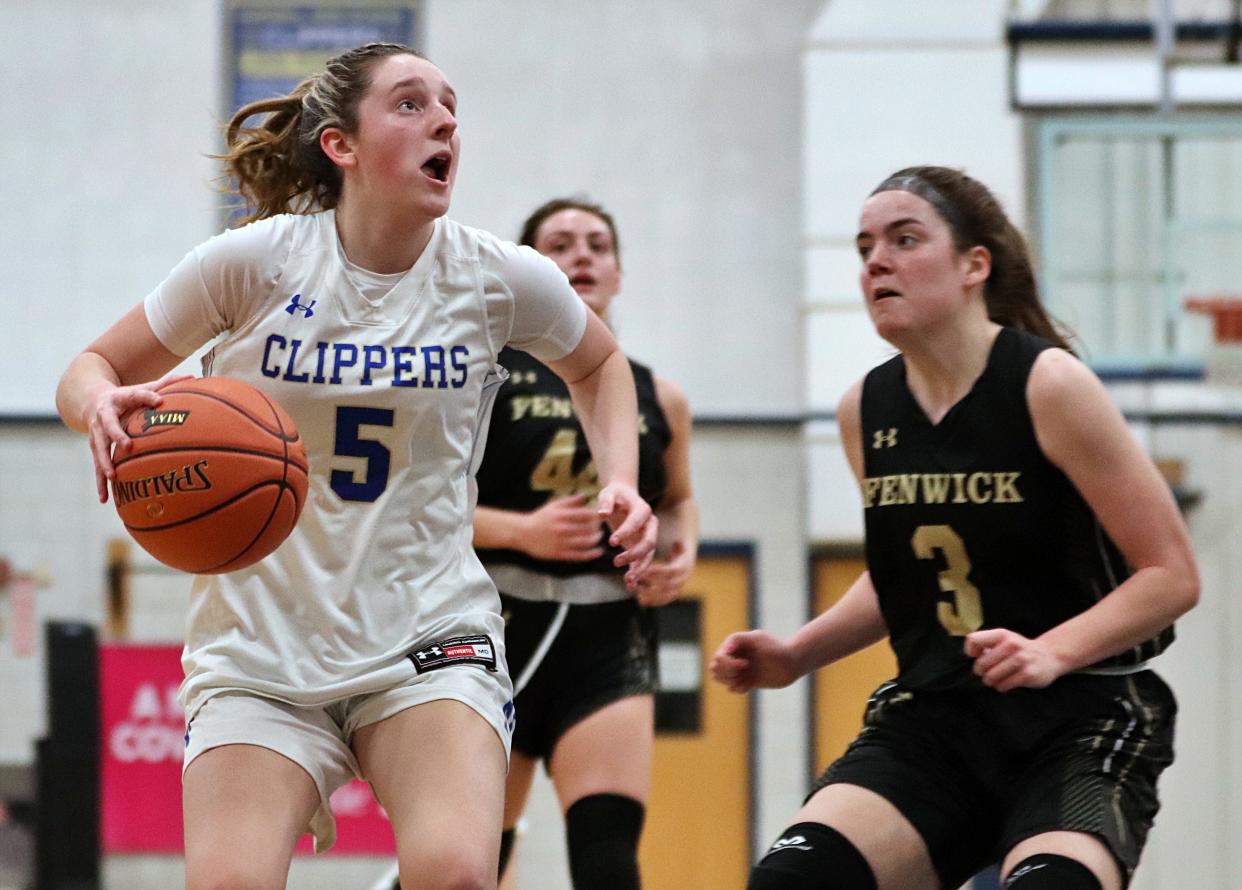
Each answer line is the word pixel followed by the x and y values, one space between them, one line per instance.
pixel 976 218
pixel 530 228
pixel 278 166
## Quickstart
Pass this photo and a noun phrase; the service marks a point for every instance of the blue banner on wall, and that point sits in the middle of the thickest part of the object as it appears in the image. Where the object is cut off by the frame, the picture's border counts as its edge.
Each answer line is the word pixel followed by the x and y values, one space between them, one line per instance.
pixel 274 48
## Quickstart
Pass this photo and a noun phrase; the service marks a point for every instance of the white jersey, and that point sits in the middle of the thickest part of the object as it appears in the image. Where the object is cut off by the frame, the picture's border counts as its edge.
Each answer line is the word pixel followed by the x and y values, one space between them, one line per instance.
pixel 391 393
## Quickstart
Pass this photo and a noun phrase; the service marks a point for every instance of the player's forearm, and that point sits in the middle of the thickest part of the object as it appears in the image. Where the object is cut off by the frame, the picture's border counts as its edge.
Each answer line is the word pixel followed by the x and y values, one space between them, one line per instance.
pixel 607 408
pixel 1147 602
pixel 679 521
pixel 852 623
pixel 498 529
pixel 78 386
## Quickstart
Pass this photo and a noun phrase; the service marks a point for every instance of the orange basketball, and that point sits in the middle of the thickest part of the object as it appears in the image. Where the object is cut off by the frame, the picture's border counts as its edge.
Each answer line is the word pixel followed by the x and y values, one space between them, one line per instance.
pixel 216 478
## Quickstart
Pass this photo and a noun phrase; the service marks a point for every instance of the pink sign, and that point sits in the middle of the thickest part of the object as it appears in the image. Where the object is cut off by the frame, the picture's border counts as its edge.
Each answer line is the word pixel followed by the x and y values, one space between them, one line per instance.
pixel 143 731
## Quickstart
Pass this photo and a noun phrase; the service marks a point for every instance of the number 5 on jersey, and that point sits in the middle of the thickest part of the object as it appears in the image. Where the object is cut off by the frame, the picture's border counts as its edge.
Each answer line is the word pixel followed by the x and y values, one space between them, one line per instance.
pixel 349 443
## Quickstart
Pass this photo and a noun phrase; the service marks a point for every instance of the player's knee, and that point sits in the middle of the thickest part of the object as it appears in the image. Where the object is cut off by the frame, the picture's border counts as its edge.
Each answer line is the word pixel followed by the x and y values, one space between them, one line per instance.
pixel 457 869
pixel 812 856
pixel 228 876
pixel 1049 871
pixel 601 832
pixel 462 879
pixel 216 871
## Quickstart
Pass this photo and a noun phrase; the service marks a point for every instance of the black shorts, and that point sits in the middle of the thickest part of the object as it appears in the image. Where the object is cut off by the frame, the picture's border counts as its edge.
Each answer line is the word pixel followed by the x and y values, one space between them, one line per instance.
pixel 977 771
pixel 601 654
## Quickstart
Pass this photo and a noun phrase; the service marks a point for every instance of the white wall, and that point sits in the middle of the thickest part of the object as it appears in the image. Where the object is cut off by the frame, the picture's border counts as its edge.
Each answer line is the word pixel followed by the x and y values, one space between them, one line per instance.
pixel 682 118
pixel 110 109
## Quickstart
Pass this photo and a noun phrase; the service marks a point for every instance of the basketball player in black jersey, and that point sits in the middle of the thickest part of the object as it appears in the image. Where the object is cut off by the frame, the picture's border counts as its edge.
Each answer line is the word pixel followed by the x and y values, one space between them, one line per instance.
pixel 1025 559
pixel 581 648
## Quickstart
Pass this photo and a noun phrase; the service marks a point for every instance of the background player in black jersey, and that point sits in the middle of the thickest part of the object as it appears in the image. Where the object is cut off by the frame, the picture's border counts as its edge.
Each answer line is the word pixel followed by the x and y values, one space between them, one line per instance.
pixel 581 647
pixel 1024 558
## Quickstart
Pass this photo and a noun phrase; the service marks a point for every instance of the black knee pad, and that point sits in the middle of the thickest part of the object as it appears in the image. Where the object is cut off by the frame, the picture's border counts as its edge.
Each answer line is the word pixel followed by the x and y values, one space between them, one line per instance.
pixel 601 831
pixel 506 847
pixel 1048 871
pixel 812 856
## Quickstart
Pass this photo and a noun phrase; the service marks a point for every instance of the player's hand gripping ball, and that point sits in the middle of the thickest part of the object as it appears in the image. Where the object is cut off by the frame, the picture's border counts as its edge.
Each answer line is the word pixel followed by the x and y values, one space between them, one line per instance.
pixel 216 478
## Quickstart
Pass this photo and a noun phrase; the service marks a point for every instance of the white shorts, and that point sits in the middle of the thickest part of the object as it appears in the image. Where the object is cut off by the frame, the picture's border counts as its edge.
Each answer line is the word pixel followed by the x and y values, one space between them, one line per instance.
pixel 318 738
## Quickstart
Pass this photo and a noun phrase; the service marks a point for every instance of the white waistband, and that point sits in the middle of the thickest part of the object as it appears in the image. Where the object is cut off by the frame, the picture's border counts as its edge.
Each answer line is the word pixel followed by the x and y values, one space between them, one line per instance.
pixel 587 589
pixel 1119 671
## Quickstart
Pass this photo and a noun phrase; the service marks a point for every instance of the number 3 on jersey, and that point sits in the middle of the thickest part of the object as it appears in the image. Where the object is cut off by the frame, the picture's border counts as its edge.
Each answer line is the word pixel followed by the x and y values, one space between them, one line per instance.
pixel 965 613
pixel 350 444
pixel 555 470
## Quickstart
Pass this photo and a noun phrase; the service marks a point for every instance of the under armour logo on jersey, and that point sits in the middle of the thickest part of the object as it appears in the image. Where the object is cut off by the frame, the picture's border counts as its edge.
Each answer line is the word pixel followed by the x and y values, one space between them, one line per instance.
pixel 884 438
pixel 510 715
pixel 797 842
pixel 307 311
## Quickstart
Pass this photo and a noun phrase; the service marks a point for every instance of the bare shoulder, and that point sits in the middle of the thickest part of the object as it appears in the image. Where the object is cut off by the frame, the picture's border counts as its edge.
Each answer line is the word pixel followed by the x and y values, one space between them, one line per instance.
pixel 849 408
pixel 849 422
pixel 1058 376
pixel 672 397
pixel 1075 418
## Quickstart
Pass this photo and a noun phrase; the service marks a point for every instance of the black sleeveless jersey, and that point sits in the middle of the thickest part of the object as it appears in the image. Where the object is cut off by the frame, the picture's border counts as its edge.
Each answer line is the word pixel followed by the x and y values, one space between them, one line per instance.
pixel 536 451
pixel 969 525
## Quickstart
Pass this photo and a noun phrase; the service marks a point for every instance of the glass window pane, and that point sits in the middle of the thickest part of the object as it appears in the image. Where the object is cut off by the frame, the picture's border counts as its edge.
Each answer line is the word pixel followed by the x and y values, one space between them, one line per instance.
pixel 1135 219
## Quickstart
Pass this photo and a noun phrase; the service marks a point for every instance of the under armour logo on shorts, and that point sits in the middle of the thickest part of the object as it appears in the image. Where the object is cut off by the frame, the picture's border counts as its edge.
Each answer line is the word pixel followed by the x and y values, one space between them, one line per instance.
pixel 458 650
pixel 797 842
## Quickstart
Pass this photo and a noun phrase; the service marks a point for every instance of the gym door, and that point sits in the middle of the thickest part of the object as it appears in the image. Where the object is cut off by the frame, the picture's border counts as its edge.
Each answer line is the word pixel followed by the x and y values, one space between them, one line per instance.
pixel 698 827
pixel 841 690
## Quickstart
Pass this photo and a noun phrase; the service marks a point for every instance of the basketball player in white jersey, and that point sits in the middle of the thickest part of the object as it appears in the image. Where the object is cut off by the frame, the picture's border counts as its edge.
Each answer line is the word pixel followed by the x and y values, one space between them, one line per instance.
pixel 370 642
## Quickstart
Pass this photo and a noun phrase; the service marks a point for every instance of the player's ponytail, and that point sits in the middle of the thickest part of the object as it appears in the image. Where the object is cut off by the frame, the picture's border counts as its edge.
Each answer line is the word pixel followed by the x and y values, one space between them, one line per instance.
pixel 277 166
pixel 976 218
